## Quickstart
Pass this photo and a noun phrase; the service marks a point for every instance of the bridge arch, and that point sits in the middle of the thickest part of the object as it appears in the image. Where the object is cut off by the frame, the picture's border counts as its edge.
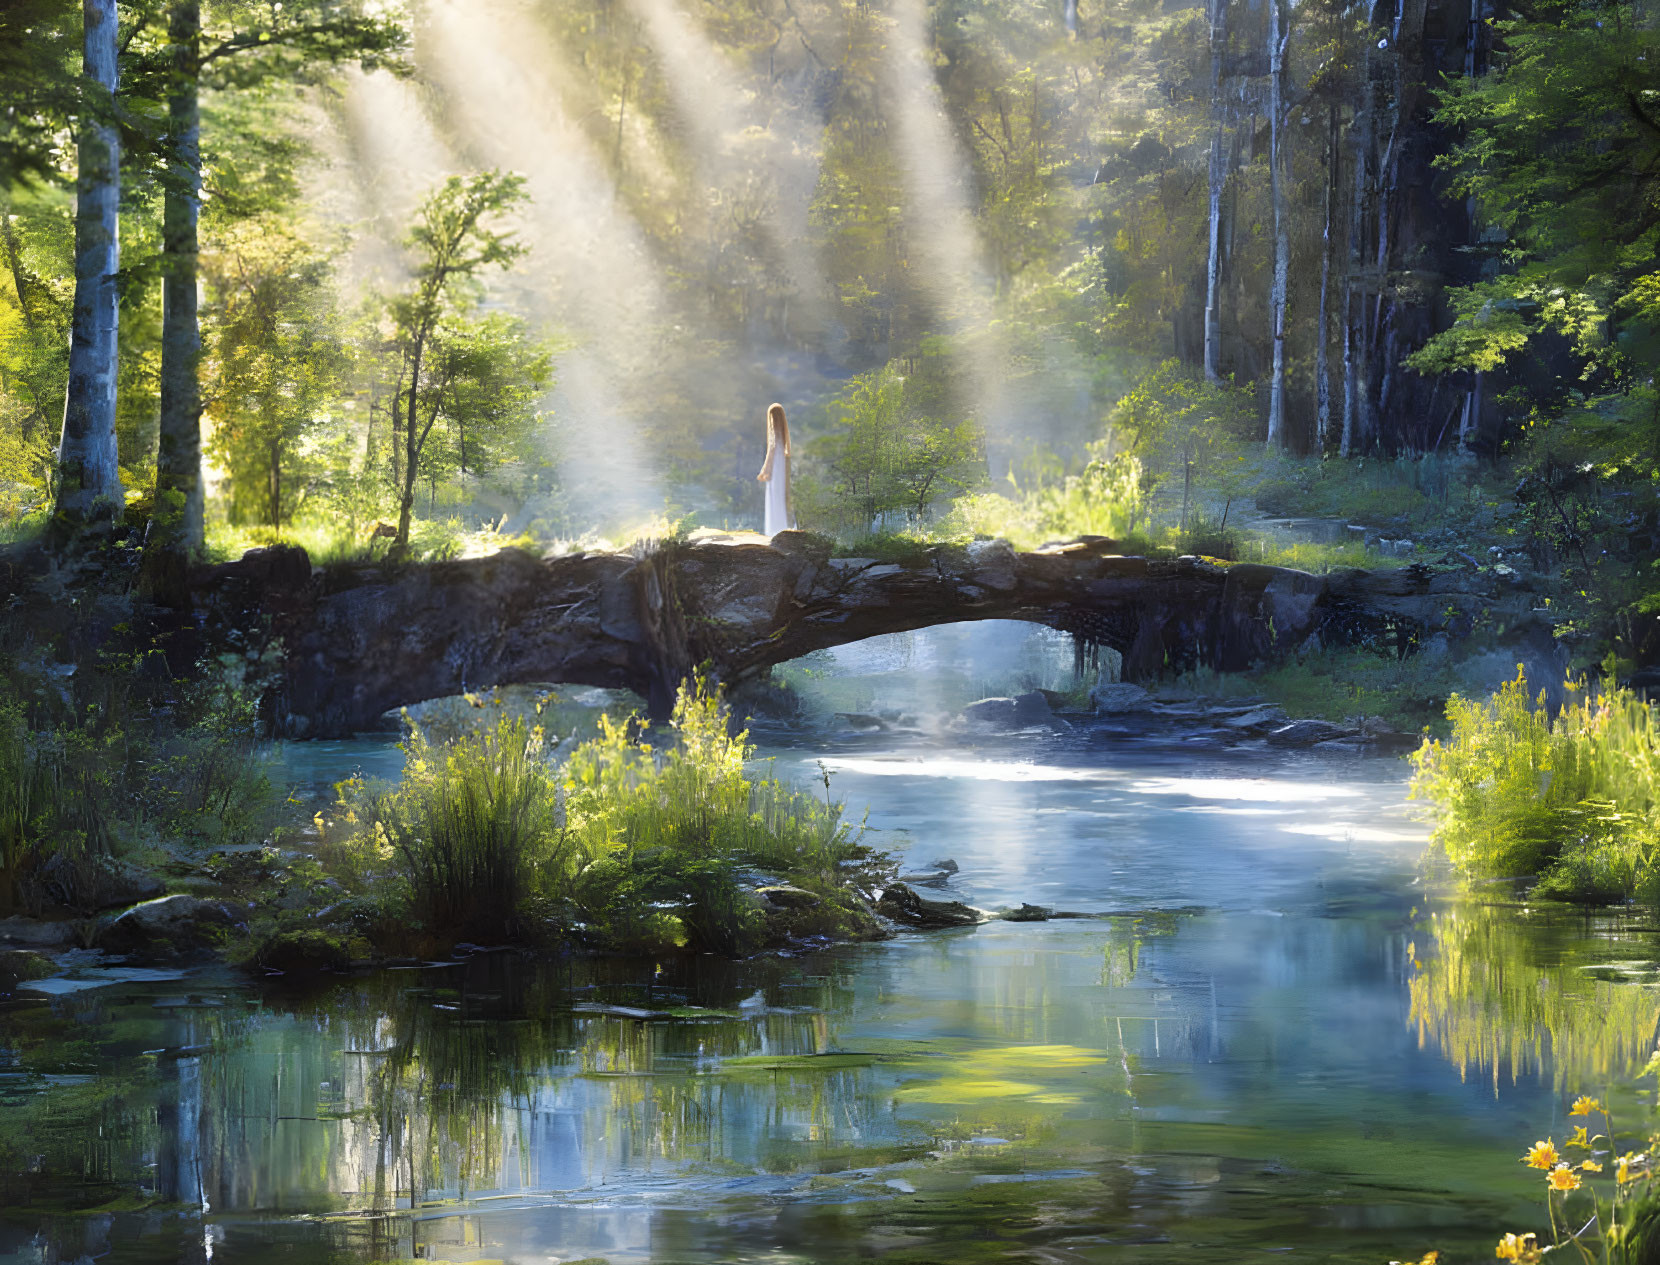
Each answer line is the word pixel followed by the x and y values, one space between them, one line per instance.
pixel 360 640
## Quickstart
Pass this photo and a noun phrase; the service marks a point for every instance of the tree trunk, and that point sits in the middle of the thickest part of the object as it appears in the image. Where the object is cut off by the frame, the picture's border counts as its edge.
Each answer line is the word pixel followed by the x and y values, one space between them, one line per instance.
pixel 1470 420
pixel 1322 363
pixel 1282 223
pixel 1408 26
pixel 89 476
pixel 1213 269
pixel 1354 301
pixel 411 455
pixel 177 521
pixel 275 484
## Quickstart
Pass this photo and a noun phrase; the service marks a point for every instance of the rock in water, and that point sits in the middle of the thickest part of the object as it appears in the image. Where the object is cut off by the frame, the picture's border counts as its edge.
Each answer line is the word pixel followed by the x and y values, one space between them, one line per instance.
pixel 1255 719
pixel 1112 697
pixel 928 878
pixel 168 929
pixel 1023 711
pixel 303 951
pixel 25 964
pixel 862 721
pixel 785 896
pixel 1305 733
pixel 905 905
pixel 993 713
pixel 1026 913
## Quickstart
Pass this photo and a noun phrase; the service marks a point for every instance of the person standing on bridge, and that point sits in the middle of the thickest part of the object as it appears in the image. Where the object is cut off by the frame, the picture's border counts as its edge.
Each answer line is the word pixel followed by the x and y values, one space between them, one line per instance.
pixel 775 472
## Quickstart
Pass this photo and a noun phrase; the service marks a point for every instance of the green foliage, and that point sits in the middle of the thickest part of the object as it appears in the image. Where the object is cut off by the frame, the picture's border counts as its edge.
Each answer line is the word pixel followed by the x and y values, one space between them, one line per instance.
pixel 673 830
pixel 441 360
pixel 280 365
pixel 1559 143
pixel 890 450
pixel 106 760
pixel 1571 799
pixel 1104 500
pixel 1345 684
pixel 472 829
pixel 624 845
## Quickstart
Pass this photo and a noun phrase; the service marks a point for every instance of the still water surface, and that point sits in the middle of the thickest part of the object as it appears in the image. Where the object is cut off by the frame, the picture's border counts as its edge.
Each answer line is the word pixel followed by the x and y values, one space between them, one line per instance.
pixel 1240 1060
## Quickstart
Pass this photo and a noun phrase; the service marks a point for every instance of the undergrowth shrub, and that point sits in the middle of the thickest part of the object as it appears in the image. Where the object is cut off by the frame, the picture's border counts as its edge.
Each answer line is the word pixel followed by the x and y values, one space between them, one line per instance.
pixel 1570 798
pixel 108 760
pixel 472 828
pixel 1104 500
pixel 666 836
pixel 626 846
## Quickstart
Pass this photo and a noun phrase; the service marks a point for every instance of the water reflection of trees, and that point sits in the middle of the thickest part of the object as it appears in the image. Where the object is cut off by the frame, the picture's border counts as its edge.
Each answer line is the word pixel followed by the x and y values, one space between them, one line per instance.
pixel 1501 989
pixel 379 1096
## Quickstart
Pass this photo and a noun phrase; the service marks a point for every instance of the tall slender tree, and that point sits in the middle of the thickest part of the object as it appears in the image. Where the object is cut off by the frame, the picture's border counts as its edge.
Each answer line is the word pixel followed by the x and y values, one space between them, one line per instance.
pixel 456 237
pixel 1277 40
pixel 284 41
pixel 178 509
pixel 89 476
pixel 1216 11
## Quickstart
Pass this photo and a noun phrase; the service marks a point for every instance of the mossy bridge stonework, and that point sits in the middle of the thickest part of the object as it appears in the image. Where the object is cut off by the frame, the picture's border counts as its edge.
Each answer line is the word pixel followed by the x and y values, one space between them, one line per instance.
pixel 359 640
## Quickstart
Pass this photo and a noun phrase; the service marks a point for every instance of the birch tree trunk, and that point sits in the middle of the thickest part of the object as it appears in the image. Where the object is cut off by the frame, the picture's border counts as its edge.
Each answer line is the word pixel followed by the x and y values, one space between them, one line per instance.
pixel 1282 226
pixel 89 478
pixel 1213 268
pixel 177 525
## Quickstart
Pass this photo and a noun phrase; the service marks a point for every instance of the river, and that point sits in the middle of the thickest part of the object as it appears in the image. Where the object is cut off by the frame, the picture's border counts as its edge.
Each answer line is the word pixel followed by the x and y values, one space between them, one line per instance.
pixel 1270 1039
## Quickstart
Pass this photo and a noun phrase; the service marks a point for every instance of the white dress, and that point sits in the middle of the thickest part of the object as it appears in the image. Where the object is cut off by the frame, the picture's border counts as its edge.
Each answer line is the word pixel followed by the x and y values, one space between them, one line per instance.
pixel 778 514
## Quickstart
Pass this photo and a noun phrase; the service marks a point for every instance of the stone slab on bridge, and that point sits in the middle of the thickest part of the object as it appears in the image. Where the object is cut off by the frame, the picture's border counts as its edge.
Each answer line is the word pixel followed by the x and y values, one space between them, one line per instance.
pixel 362 639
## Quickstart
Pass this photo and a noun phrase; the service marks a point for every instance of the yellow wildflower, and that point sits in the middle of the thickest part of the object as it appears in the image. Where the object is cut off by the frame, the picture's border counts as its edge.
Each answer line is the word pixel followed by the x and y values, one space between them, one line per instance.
pixel 1521 1248
pixel 1563 1178
pixel 1590 1166
pixel 1580 1139
pixel 1628 1161
pixel 1584 1106
pixel 1542 1155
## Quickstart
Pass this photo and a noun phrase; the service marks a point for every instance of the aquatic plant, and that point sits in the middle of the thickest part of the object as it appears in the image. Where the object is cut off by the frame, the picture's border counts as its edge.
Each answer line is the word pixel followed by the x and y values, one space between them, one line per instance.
pixel 100 759
pixel 1570 798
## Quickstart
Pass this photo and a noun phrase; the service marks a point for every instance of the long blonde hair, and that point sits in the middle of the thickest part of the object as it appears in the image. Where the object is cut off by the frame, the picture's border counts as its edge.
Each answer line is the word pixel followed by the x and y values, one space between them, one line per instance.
pixel 778 430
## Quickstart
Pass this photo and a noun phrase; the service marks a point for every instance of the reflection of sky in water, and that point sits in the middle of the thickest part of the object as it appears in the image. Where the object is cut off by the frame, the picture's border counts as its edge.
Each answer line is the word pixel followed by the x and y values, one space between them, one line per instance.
pixel 1070 827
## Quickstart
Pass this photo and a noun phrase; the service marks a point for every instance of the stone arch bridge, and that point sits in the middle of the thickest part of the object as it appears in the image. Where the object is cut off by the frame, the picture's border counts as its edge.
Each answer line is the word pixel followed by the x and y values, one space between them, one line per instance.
pixel 359 640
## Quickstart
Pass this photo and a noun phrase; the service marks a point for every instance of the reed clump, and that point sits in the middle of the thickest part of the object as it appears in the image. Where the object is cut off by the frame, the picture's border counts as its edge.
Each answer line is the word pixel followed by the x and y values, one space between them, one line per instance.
pixel 1570 798
pixel 626 846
